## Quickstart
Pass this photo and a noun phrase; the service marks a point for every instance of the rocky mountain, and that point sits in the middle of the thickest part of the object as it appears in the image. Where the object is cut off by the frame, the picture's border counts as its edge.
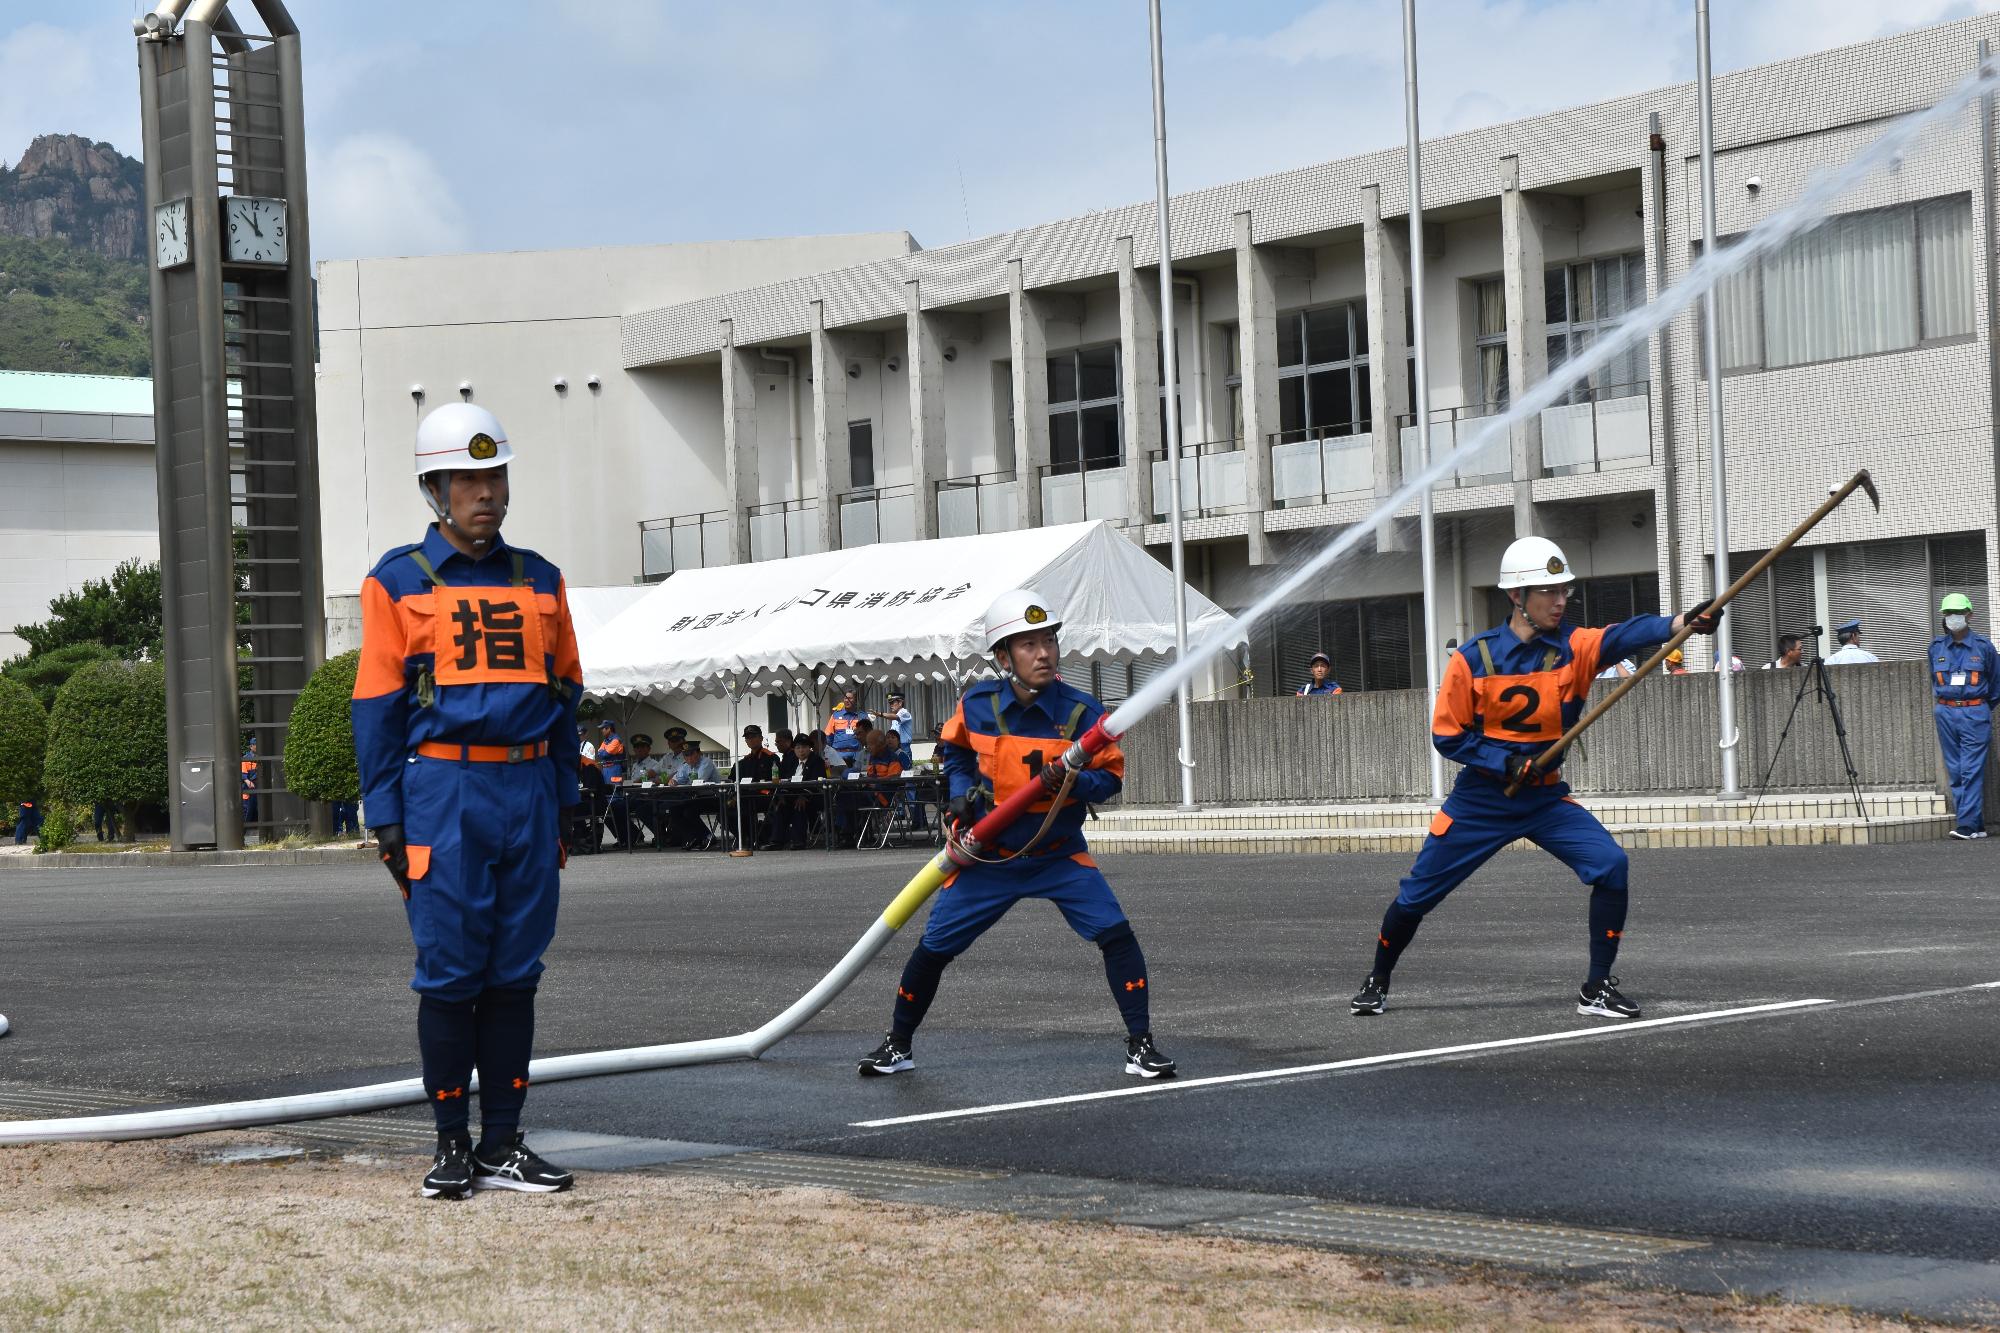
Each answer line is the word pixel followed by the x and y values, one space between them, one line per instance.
pixel 87 194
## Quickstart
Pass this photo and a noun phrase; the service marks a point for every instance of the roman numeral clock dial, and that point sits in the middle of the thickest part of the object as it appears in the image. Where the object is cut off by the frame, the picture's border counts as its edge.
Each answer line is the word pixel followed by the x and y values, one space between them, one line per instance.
pixel 254 230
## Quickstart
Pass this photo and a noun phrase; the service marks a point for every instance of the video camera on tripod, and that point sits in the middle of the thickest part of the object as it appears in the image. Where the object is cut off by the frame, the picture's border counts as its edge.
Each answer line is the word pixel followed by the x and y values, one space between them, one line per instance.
pixel 1814 679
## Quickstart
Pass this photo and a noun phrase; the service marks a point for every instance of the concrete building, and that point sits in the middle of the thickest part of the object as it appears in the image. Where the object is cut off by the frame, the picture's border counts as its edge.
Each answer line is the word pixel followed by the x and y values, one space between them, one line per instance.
pixel 77 492
pixel 877 392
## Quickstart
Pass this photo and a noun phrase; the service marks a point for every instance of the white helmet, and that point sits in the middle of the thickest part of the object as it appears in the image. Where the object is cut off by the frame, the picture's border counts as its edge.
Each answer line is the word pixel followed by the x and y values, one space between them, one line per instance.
pixel 1014 613
pixel 1534 562
pixel 461 436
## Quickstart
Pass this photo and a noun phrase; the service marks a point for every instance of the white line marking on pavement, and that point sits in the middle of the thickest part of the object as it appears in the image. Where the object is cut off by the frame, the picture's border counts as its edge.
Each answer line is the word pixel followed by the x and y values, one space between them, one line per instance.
pixel 1362 1062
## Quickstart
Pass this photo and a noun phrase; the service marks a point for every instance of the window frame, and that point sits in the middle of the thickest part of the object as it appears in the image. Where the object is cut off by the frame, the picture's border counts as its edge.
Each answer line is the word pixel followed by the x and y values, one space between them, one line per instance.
pixel 1079 405
pixel 1359 388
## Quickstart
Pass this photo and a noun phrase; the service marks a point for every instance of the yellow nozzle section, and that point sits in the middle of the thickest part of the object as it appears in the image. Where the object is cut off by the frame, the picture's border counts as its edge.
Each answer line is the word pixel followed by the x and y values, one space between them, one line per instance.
pixel 918 891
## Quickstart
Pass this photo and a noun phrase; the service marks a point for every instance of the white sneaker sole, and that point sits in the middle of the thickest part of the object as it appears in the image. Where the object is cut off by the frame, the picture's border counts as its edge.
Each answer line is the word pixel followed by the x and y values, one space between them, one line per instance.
pixel 519 1186
pixel 430 1193
pixel 1132 1067
pixel 877 1071
pixel 1592 1011
pixel 1364 1011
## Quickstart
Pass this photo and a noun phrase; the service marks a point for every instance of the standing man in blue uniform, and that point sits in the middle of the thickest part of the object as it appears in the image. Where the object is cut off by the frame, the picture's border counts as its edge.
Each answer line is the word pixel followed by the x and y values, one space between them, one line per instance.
pixel 1506 695
pixel 1965 678
pixel 465 734
pixel 1005 734
pixel 1322 681
pixel 843 730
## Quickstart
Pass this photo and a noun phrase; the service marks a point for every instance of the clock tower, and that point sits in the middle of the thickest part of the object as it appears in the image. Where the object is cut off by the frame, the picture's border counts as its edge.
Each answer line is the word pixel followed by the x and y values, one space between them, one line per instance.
pixel 233 410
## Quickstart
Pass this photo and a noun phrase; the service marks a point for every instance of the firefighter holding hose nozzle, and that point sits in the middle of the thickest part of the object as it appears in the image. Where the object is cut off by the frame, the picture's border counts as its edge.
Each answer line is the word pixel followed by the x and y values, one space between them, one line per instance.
pixel 1506 695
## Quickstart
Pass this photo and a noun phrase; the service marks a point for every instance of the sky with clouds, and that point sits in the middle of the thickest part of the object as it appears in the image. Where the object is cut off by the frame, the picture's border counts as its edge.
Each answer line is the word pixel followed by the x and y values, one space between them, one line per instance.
pixel 445 125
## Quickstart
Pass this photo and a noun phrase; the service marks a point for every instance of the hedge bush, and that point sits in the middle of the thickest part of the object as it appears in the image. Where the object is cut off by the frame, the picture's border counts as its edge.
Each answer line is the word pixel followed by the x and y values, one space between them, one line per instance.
pixel 59 824
pixel 108 736
pixel 319 745
pixel 24 736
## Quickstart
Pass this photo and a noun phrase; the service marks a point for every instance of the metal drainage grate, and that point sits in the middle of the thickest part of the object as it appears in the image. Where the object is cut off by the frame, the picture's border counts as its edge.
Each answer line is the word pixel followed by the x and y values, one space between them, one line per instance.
pixel 363 1132
pixel 1445 1235
pixel 844 1173
pixel 29 1101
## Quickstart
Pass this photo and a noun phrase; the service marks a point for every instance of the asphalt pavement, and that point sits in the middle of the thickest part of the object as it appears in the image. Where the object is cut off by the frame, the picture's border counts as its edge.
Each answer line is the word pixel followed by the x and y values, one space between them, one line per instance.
pixel 1864 1123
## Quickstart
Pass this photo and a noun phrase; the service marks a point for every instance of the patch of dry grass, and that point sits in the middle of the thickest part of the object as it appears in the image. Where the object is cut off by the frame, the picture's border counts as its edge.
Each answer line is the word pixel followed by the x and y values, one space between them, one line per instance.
pixel 152 1235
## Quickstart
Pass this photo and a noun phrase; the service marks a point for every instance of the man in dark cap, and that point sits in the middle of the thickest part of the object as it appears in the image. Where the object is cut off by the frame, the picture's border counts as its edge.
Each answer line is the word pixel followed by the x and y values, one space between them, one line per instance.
pixel 1850 650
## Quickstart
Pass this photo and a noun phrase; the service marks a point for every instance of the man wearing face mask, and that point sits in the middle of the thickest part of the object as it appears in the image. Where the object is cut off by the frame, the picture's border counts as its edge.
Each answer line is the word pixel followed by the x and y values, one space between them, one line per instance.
pixel 465 734
pixel 1964 672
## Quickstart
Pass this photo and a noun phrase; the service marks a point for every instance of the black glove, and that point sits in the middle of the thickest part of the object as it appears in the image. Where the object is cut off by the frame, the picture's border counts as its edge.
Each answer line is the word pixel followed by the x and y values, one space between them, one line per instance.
pixel 1052 777
pixel 395 854
pixel 1700 619
pixel 1517 767
pixel 963 812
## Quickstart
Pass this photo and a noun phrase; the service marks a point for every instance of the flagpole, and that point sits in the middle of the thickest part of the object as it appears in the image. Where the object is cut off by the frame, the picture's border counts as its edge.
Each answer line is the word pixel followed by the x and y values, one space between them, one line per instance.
pixel 1711 339
pixel 1426 516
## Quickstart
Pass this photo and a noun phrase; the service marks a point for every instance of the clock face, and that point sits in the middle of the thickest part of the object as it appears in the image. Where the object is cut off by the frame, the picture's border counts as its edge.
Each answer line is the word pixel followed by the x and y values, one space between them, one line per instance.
pixel 254 230
pixel 170 234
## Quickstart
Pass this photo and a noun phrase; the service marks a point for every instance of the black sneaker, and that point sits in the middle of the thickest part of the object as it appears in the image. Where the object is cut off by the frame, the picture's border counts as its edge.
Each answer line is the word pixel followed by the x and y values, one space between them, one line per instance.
pixel 1144 1059
pixel 891 1057
pixel 1372 998
pixel 1600 999
pixel 518 1168
pixel 450 1176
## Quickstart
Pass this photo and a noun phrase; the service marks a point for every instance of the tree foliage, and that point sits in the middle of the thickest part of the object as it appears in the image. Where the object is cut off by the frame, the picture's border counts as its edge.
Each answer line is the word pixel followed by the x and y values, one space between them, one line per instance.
pixel 44 673
pixel 66 309
pixel 319 745
pixel 108 736
pixel 123 612
pixel 24 733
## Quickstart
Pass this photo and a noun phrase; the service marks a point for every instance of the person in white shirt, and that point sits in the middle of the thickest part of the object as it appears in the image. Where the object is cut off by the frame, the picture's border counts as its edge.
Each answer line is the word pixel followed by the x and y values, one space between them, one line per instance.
pixel 1850 650
pixel 1791 652
pixel 897 716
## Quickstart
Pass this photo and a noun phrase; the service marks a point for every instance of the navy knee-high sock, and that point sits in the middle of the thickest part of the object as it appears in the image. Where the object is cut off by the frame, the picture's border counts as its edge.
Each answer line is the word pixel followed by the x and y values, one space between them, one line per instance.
pixel 1399 927
pixel 506 1026
pixel 1125 969
pixel 447 1039
pixel 1607 927
pixel 916 990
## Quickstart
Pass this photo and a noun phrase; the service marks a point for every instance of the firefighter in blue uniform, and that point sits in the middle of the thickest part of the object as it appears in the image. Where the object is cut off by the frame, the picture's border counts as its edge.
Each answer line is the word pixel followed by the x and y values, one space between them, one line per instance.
pixel 1322 681
pixel 465 734
pixel 1965 678
pixel 1007 733
pixel 1506 695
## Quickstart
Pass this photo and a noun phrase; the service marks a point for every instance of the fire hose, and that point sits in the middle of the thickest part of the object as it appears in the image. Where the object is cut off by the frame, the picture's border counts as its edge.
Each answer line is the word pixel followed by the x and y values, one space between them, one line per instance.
pixel 957 853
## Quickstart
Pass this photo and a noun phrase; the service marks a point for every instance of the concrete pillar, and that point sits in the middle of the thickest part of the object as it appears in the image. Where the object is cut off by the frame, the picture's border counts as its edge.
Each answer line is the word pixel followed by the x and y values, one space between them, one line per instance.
pixel 739 439
pixel 1139 368
pixel 829 372
pixel 1386 253
pixel 925 352
pixel 1028 339
pixel 1527 330
pixel 1257 335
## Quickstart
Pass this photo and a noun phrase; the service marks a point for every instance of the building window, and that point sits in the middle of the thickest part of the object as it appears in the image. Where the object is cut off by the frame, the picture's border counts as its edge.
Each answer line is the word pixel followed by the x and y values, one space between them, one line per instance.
pixel 1490 344
pixel 1085 414
pixel 860 455
pixel 1884 280
pixel 1323 372
pixel 1375 644
pixel 1586 299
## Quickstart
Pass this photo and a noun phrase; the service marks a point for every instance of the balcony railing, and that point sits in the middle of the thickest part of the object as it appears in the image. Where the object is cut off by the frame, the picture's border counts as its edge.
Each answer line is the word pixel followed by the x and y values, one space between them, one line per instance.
pixel 783 528
pixel 1310 467
pixel 988 502
pixel 1452 428
pixel 878 514
pixel 1073 496
pixel 1612 427
pixel 1213 479
pixel 685 541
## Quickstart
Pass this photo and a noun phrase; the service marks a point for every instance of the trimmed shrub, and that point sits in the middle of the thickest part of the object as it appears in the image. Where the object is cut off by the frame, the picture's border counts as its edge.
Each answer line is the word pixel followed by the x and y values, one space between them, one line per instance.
pixel 108 736
pixel 319 744
pixel 24 736
pixel 58 828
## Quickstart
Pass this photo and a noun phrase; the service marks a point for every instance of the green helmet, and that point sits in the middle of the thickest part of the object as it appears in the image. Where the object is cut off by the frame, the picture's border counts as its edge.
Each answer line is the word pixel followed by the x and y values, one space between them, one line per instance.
pixel 1955 601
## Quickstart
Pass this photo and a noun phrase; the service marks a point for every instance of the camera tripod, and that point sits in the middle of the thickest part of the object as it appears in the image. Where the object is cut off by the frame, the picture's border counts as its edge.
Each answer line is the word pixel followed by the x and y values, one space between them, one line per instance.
pixel 1814 678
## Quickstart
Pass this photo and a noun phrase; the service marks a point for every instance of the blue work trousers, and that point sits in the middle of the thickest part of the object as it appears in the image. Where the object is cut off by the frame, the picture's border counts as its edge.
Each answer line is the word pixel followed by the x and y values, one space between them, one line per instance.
pixel 484 864
pixel 1963 734
pixel 1479 818
pixel 980 895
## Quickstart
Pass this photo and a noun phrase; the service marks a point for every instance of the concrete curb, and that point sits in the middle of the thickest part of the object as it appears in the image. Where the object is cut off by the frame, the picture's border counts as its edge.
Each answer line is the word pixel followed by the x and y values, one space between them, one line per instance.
pixel 302 856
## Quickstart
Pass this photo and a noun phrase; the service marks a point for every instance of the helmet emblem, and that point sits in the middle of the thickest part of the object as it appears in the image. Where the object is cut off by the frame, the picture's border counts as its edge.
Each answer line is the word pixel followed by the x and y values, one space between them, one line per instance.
pixel 481 447
pixel 1556 564
pixel 1034 615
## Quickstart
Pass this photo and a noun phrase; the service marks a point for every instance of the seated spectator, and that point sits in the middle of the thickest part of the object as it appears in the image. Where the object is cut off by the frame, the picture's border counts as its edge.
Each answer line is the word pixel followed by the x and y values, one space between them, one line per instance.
pixel 781 743
pixel 695 769
pixel 835 761
pixel 791 813
pixel 642 768
pixel 755 764
pixel 882 764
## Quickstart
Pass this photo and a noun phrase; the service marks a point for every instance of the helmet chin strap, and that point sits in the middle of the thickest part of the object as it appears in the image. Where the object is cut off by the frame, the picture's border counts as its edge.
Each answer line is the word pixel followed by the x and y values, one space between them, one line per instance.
pixel 1012 678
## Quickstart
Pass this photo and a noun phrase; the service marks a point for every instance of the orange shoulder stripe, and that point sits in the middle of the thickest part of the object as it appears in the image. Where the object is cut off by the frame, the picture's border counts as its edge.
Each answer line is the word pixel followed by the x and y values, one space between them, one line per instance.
pixel 383 643
pixel 1454 712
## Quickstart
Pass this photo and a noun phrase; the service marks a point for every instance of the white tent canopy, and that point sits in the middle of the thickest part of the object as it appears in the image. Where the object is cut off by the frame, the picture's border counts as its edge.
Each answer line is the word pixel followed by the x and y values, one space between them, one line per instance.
pixel 889 611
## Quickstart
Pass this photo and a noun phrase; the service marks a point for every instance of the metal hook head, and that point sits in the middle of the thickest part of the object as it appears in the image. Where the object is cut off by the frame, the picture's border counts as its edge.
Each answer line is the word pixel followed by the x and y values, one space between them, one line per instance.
pixel 1868 485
